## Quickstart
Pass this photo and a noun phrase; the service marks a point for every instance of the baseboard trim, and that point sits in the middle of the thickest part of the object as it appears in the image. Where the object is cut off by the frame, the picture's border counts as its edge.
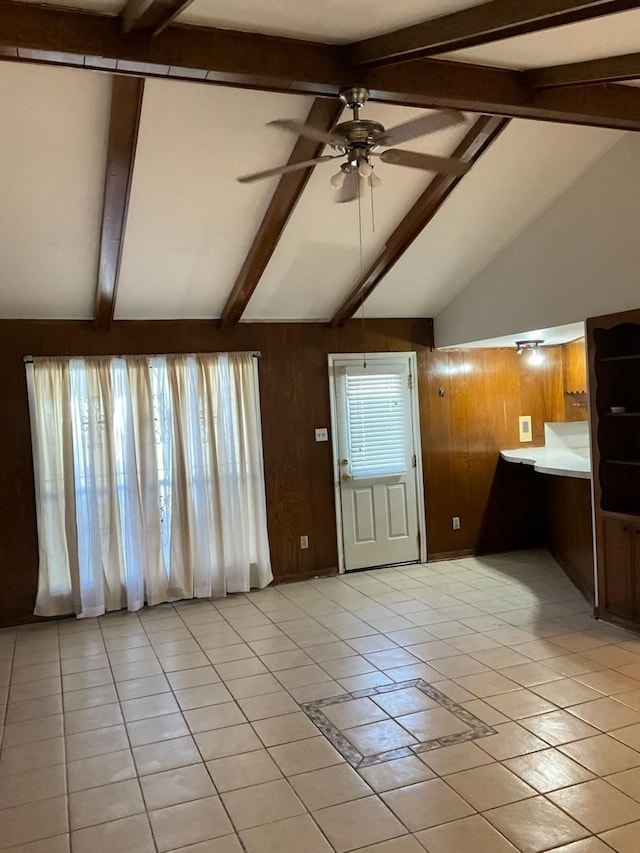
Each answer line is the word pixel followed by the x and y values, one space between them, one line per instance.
pixel 305 576
pixel 451 555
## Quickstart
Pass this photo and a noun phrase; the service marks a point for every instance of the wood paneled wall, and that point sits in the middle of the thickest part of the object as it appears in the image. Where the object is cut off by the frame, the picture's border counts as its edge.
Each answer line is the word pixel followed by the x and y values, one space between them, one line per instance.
pixel 462 431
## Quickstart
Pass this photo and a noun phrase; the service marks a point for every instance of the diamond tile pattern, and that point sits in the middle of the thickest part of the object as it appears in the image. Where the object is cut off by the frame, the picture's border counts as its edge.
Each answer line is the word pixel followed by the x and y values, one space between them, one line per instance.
pixel 471 704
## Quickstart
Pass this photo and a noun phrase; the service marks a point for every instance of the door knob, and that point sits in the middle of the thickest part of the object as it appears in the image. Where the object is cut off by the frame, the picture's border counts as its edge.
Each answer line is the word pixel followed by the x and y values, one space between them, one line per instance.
pixel 346 476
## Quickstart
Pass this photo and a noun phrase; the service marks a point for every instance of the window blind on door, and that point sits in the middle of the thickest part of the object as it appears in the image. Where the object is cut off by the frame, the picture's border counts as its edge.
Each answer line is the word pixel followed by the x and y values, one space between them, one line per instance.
pixel 376 424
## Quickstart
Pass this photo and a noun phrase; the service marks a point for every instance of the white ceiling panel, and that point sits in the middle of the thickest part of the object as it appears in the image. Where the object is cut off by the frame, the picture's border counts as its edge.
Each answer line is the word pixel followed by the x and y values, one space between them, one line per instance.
pixel 109 7
pixel 523 172
pixel 320 20
pixel 550 337
pixel 53 143
pixel 607 36
pixel 317 260
pixel 190 223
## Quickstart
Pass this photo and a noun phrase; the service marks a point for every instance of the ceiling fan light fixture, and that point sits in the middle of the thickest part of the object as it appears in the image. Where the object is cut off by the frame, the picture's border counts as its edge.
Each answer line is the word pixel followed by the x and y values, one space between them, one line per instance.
pixel 337 181
pixel 365 169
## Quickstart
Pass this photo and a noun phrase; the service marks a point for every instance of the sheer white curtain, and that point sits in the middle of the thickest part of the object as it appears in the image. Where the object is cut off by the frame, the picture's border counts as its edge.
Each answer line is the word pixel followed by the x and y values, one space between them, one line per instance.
pixel 149 480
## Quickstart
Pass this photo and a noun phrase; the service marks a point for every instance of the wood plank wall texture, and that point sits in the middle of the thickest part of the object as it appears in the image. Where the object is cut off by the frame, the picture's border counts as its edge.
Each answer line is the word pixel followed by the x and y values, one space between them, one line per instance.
pixel 484 392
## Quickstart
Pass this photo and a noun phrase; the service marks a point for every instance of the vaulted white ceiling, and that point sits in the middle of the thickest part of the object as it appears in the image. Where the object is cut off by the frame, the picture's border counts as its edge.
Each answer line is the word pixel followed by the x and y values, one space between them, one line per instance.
pixel 190 224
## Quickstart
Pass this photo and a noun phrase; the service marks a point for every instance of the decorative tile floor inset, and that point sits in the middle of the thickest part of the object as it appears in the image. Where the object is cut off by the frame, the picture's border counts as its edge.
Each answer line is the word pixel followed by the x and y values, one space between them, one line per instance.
pixel 376 738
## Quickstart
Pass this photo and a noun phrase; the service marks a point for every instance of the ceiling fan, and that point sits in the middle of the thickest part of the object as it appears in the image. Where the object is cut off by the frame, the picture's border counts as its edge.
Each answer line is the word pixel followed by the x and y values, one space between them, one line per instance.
pixel 357 141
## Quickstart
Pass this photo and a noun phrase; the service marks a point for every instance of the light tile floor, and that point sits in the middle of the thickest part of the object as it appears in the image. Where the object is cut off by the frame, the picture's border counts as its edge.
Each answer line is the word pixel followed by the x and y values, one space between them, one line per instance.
pixel 185 727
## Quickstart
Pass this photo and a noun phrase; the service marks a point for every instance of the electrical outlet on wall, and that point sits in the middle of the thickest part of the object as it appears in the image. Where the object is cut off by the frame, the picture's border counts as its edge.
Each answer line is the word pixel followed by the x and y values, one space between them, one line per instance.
pixel 304 542
pixel 524 423
pixel 456 522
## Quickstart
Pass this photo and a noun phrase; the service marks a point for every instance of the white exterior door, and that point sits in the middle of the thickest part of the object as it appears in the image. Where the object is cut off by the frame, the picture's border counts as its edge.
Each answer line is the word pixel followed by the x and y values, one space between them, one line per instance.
pixel 376 460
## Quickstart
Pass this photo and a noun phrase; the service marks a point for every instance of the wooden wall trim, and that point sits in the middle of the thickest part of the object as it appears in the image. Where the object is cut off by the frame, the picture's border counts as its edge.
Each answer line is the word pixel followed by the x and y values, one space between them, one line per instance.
pixel 126 108
pixel 480 137
pixel 323 115
pixel 151 15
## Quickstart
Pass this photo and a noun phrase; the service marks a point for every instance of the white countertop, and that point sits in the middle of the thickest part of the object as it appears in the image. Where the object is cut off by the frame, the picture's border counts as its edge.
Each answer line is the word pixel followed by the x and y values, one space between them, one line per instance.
pixel 551 460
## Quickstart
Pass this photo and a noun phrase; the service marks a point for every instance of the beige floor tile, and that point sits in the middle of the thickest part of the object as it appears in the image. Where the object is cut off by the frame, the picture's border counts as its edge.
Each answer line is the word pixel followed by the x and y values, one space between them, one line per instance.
pixel 128 835
pixel 263 803
pixel 489 787
pixel 89 697
pixel 358 823
pixel 597 805
pixel 32 821
pixel 147 707
pixel 156 729
pixel 606 714
pixel 189 823
pixel 238 771
pixel 191 660
pixel 138 687
pixel 299 757
pixel 379 737
pixel 32 709
pixel 96 742
pixel 587 845
pixel 240 668
pixel 176 786
pixel 628 781
pixel 404 844
pixel 500 657
pixel 137 669
pixel 42 728
pixel 520 703
pixel 293 834
pixel 254 685
pixel 100 770
pixel 92 718
pixel 238 651
pixel 559 727
pixel 21 788
pixel 624 839
pixel 530 674
pixel 468 834
pixel 214 717
pixel 57 844
pixel 485 712
pixel 548 770
pixel 104 803
pixel 426 804
pixel 312 692
pixel 269 705
pixel 290 727
pixel 355 712
pixel 30 756
pixel 566 692
pixel 629 735
pixel 428 725
pixel 602 754
pixel 534 825
pixel 286 660
pixel 34 689
pixel 407 701
pixel 92 678
pixel 511 740
pixel 229 741
pixel 196 677
pixel 608 681
pixel 395 774
pixel 329 786
pixel 226 844
pixel 485 684
pixel 199 697
pixel 166 755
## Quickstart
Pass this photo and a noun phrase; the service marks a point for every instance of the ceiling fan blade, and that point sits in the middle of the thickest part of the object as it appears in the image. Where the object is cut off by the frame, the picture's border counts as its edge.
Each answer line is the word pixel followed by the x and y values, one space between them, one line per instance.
pixel 282 170
pixel 306 130
pixel 421 126
pixel 349 190
pixel 429 162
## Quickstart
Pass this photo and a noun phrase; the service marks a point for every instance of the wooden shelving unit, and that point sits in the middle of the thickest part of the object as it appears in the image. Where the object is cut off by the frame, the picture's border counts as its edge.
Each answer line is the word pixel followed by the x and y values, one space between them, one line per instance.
pixel 613 344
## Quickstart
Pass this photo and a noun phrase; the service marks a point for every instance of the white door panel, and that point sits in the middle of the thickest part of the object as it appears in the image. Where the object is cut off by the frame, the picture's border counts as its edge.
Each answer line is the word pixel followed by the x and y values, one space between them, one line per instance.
pixel 376 452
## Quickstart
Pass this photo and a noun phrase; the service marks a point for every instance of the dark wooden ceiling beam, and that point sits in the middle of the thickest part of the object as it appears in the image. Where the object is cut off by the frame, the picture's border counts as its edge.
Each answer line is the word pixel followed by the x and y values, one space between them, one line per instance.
pixel 126 106
pixel 323 115
pixel 49 34
pixel 151 16
pixel 487 22
pixel 611 69
pixel 481 136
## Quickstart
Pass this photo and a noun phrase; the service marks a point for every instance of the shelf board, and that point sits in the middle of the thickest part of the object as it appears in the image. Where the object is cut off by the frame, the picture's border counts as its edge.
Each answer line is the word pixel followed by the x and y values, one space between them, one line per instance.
pixel 622 516
pixel 622 461
pixel 621 414
pixel 620 357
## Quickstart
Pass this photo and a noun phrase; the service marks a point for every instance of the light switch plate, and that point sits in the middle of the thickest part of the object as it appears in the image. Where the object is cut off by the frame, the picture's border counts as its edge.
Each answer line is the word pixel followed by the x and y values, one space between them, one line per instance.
pixel 322 434
pixel 526 433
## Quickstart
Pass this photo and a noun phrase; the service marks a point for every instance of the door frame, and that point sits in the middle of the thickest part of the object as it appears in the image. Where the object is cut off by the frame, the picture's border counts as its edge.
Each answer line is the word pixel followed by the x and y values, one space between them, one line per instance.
pixel 356 358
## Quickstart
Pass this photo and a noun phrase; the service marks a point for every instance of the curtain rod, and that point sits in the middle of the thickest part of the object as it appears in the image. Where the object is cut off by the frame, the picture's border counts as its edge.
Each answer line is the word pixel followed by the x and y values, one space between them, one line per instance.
pixel 29 359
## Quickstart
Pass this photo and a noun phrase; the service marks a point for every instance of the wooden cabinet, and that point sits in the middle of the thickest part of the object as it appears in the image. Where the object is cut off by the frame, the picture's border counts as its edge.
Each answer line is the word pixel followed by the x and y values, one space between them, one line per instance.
pixel 621 566
pixel 614 384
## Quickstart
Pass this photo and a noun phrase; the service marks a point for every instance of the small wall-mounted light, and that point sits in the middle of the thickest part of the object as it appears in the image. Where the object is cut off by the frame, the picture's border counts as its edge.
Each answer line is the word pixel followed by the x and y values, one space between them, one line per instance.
pixel 533 348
